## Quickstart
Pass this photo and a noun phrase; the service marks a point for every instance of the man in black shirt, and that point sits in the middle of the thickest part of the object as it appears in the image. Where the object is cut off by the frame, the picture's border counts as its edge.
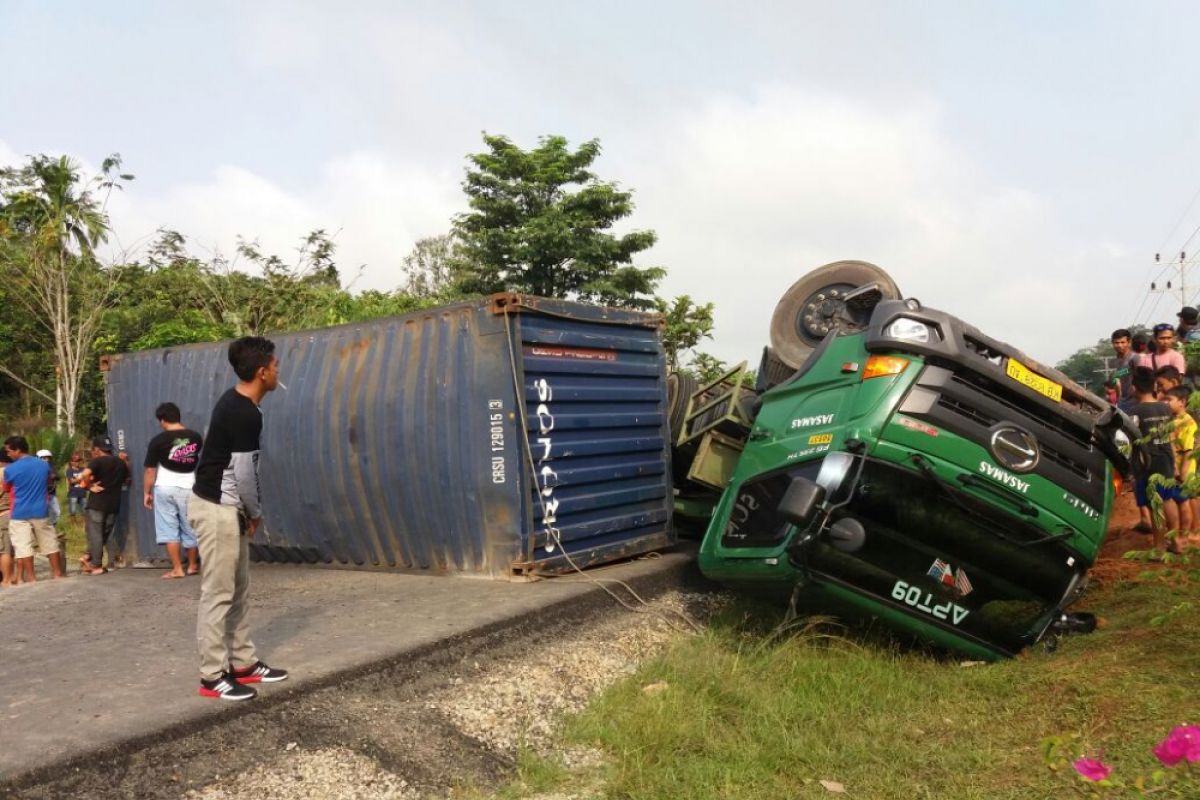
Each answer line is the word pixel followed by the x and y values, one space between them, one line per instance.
pixel 170 472
pixel 225 510
pixel 104 478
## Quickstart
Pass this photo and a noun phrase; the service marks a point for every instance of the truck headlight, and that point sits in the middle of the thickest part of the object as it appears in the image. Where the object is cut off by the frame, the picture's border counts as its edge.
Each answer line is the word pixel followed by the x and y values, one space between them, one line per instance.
pixel 909 330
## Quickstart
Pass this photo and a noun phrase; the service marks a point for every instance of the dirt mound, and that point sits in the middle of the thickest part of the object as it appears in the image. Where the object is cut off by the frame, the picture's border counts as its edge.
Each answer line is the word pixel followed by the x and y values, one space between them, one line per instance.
pixel 1111 566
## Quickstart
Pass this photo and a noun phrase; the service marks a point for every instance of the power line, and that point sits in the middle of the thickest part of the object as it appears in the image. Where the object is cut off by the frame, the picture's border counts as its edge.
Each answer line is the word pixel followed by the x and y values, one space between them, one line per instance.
pixel 1154 308
pixel 1186 210
pixel 1179 221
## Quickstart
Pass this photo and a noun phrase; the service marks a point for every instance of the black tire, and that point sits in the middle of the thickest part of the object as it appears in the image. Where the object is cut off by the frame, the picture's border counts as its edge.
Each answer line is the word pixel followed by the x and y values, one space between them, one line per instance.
pixel 680 388
pixel 771 371
pixel 793 336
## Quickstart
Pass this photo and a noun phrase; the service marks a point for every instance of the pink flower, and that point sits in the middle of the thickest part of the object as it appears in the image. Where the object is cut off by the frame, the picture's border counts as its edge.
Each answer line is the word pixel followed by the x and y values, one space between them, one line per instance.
pixel 1092 768
pixel 1181 743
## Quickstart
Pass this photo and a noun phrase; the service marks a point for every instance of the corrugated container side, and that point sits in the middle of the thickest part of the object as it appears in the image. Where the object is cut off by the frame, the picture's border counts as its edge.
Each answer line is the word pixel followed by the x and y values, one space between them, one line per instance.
pixel 397 443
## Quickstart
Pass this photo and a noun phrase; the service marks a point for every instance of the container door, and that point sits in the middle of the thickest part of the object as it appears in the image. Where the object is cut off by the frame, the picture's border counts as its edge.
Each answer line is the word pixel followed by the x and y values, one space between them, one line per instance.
pixel 595 400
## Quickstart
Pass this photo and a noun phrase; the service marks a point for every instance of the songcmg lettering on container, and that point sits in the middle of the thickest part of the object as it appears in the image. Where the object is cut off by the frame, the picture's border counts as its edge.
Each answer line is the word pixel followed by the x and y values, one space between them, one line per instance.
pixel 546 475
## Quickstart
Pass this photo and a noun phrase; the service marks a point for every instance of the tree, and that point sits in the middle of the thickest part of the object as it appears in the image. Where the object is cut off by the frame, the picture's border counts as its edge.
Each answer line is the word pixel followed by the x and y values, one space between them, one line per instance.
pixel 539 223
pixel 50 223
pixel 430 268
pixel 252 293
pixel 686 324
pixel 24 352
pixel 175 298
pixel 1087 366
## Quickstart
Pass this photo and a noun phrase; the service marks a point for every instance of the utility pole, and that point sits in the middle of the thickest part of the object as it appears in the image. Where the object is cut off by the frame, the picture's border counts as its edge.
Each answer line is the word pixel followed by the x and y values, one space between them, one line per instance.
pixel 1182 282
pixel 1106 370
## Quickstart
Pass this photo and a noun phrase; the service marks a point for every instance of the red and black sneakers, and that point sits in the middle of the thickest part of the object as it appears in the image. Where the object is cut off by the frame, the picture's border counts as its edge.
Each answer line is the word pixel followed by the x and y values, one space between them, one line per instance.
pixel 226 687
pixel 258 672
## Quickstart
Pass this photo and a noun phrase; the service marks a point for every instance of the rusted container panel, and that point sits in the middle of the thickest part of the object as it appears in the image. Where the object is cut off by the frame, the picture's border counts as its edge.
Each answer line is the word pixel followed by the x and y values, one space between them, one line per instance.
pixel 401 443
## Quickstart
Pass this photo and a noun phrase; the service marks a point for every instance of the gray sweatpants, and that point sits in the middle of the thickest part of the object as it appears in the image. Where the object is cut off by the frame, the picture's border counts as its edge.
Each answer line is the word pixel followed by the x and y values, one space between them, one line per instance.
pixel 99 527
pixel 222 630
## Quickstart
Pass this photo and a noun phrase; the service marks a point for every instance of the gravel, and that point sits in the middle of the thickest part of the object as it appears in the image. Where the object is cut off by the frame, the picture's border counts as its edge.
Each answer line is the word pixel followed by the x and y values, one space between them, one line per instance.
pixel 317 775
pixel 498 705
pixel 521 702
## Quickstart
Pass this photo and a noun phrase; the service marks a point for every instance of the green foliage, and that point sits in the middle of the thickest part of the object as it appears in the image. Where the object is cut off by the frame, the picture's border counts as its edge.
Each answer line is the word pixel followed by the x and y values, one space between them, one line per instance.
pixel 540 223
pixel 60 443
pixel 744 711
pixel 429 269
pixel 1089 775
pixel 1086 365
pixel 707 368
pixel 43 206
pixel 51 219
pixel 172 298
pixel 686 325
pixel 189 327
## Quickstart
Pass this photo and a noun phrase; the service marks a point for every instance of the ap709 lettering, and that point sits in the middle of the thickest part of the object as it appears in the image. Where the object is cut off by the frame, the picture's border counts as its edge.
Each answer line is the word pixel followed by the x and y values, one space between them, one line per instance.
pixel 922 600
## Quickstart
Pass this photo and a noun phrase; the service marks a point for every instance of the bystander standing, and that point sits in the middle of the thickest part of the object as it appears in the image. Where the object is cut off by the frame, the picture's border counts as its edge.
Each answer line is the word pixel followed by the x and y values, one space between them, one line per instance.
pixel 26 479
pixel 1121 382
pixel 1155 460
pixel 104 478
pixel 76 494
pixel 170 471
pixel 225 510
pixel 1162 351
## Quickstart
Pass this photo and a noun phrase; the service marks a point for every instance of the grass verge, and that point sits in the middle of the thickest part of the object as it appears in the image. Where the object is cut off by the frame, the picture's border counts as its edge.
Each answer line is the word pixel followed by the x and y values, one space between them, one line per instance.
pixel 739 714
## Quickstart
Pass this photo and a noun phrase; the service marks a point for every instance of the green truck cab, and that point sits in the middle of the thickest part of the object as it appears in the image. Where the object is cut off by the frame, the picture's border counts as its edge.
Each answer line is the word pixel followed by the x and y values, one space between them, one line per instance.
pixel 917 471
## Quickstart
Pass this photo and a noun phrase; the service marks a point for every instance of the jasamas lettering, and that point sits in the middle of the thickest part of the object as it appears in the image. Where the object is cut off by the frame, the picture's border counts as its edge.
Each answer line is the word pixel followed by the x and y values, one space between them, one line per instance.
pixel 1001 476
pixel 808 422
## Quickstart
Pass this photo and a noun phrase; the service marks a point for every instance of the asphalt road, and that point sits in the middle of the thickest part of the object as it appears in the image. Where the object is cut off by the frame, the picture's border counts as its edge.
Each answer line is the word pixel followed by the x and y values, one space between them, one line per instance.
pixel 100 673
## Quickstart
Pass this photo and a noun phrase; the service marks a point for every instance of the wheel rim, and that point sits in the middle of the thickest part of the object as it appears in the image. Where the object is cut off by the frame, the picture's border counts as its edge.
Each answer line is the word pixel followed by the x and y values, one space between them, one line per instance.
pixel 817 316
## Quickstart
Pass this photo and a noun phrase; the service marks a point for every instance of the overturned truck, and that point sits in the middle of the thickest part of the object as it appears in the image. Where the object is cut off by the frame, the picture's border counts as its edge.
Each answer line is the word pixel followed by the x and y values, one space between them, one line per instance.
pixel 911 468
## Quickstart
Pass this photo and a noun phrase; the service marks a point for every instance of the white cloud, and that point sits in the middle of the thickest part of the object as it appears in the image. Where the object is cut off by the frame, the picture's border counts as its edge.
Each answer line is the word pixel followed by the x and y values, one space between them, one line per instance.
pixel 375 206
pixel 755 192
pixel 747 193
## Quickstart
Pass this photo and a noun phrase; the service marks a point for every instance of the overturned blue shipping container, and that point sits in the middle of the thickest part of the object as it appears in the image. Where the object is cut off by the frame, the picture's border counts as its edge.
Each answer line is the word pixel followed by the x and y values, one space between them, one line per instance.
pixel 501 437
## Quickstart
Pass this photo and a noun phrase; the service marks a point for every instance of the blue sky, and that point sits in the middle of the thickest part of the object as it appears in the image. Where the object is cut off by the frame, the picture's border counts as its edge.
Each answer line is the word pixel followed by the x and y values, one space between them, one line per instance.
pixel 1017 164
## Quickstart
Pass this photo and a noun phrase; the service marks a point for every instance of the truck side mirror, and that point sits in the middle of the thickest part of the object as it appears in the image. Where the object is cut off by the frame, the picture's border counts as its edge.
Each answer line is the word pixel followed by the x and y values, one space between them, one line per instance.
pixel 800 501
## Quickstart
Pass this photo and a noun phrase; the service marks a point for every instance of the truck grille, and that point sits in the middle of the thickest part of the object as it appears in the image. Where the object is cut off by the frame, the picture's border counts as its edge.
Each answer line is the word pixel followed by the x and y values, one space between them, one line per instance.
pixel 970 405
pixel 986 420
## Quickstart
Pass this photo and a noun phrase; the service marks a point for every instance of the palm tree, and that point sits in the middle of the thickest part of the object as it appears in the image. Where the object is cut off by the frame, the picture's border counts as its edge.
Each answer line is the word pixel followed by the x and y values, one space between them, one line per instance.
pixel 50 224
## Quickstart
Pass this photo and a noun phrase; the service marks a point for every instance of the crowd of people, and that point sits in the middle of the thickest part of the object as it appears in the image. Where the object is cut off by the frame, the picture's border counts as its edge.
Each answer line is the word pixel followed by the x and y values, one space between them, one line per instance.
pixel 30 510
pixel 206 504
pixel 1153 384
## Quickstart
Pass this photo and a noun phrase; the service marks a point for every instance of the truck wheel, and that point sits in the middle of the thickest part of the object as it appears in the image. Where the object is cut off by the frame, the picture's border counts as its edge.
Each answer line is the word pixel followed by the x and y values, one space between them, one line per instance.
pixel 771 371
pixel 813 306
pixel 680 388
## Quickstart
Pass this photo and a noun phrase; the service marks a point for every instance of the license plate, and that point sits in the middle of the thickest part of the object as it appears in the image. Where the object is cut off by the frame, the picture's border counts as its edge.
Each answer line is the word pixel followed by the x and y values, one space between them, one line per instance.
pixel 1043 386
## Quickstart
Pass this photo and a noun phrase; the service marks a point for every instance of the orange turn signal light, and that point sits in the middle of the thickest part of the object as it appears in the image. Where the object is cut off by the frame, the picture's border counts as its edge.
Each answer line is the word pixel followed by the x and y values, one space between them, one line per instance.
pixel 881 366
pixel 1117 483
